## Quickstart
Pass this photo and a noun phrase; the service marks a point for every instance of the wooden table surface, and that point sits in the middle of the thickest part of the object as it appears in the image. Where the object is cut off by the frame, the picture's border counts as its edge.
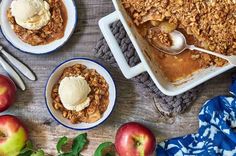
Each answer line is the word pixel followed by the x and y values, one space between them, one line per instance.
pixel 132 103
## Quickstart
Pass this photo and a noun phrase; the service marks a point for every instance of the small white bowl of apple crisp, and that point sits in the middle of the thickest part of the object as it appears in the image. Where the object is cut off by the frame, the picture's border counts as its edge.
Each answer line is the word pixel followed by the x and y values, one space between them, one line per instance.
pixel 38 26
pixel 80 94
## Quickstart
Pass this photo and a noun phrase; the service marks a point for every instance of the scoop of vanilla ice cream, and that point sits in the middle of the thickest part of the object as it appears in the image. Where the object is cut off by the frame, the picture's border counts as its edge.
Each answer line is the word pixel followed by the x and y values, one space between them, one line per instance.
pixel 31 14
pixel 73 92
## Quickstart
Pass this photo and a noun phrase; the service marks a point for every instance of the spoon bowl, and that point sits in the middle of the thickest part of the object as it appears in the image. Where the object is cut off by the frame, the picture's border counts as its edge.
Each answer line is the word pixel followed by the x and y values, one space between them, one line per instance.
pixel 178 45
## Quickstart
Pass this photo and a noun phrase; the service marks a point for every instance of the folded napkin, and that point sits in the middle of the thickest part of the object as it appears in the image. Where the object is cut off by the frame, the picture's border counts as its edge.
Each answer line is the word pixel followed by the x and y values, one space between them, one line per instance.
pixel 216 135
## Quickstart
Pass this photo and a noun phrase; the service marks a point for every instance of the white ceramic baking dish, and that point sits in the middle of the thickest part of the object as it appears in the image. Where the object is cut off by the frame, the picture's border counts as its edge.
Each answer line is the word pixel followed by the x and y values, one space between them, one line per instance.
pixel 147 64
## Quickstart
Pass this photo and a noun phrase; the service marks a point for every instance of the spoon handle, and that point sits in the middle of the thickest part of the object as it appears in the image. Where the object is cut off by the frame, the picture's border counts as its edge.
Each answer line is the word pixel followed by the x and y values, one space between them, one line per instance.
pixel 20 66
pixel 12 73
pixel 193 47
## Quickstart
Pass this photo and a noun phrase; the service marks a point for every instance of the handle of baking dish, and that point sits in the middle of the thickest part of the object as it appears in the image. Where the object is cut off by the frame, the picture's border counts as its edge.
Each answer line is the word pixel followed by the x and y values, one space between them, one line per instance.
pixel 104 24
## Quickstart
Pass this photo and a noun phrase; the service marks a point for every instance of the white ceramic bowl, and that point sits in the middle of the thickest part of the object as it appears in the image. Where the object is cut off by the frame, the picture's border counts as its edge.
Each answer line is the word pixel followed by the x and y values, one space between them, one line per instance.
pixel 13 39
pixel 55 75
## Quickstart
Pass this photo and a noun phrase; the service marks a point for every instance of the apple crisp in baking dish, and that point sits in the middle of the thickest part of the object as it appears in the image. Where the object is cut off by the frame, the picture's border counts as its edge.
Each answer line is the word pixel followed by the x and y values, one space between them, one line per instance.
pixel 210 24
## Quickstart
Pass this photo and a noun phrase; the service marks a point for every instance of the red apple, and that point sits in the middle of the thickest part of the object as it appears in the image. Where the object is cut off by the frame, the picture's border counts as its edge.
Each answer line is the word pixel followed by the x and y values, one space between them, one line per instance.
pixel 134 139
pixel 7 92
pixel 13 135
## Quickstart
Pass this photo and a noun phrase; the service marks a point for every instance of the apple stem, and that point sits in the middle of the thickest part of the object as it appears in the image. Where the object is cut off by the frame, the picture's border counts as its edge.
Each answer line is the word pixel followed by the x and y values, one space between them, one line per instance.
pixel 2 135
pixel 138 144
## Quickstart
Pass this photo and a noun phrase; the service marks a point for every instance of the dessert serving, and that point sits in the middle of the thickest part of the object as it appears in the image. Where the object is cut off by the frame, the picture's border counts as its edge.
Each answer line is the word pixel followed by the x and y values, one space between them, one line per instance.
pixel 38 22
pixel 207 24
pixel 81 94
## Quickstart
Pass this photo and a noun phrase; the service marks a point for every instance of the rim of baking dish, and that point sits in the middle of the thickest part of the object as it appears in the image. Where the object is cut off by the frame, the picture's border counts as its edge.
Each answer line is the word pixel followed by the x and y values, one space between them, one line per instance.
pixel 86 59
pixel 56 48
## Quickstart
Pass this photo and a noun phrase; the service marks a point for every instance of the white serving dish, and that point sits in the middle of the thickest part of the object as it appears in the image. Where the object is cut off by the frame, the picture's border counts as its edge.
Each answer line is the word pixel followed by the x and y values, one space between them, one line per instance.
pixel 13 39
pixel 54 77
pixel 147 64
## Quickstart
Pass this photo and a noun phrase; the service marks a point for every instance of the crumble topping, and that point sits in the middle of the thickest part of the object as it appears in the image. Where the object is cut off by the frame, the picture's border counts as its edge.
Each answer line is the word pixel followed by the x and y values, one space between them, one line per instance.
pixel 211 22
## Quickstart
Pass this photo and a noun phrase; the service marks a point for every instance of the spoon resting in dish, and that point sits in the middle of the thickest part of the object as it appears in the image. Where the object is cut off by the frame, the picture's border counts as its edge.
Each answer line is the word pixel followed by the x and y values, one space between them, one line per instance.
pixel 178 44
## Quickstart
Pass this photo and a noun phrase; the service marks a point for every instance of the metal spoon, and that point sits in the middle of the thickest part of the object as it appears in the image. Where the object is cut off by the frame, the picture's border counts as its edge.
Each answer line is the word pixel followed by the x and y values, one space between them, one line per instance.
pixel 20 66
pixel 12 73
pixel 179 44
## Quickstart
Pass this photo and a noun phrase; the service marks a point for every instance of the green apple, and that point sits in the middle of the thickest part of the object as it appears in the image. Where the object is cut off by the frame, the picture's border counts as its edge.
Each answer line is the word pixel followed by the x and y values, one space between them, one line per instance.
pixel 13 135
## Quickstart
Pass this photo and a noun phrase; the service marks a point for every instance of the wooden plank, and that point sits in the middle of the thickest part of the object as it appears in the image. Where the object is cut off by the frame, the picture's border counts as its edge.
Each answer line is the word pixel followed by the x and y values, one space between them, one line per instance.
pixel 133 104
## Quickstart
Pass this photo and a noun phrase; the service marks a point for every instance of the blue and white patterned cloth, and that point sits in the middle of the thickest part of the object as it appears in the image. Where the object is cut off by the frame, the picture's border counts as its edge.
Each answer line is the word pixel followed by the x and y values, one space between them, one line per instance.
pixel 216 135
